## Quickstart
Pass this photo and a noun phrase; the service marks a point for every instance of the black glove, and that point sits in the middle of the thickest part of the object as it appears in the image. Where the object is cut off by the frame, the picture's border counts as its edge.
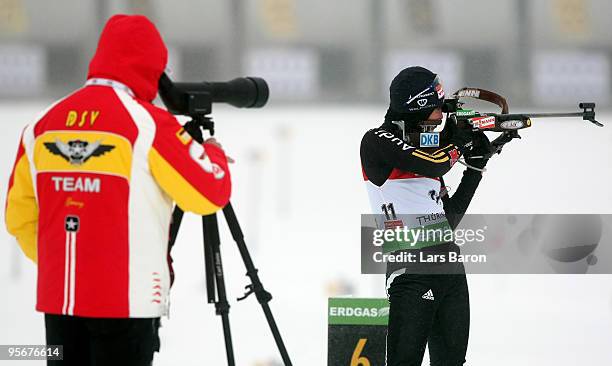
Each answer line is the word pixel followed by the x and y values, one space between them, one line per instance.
pixel 481 150
pixel 462 138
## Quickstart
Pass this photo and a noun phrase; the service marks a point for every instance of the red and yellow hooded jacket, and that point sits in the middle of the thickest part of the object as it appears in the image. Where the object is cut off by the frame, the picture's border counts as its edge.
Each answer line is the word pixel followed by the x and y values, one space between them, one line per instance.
pixel 91 193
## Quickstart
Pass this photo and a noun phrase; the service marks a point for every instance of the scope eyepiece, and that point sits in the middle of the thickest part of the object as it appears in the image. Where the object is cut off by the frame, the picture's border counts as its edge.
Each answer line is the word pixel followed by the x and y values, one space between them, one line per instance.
pixel 450 105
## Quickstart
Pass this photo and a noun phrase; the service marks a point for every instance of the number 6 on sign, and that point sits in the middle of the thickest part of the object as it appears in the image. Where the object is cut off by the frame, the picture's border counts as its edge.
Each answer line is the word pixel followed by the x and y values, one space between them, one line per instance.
pixel 357 359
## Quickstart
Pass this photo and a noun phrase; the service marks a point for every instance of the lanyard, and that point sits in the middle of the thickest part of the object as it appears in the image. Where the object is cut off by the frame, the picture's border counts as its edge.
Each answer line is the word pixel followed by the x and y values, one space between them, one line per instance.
pixel 111 83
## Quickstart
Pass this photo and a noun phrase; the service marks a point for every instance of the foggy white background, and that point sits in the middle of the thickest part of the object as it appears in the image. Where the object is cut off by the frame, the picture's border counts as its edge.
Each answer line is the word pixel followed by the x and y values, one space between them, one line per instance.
pixel 298 189
pixel 298 192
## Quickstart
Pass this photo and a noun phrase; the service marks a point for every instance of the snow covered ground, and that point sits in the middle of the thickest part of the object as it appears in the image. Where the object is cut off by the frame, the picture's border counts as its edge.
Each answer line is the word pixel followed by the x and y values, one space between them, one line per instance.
pixel 298 193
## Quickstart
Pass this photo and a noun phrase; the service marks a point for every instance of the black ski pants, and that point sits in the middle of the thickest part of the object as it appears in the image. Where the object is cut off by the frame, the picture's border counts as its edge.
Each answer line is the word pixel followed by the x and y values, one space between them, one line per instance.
pixel 430 309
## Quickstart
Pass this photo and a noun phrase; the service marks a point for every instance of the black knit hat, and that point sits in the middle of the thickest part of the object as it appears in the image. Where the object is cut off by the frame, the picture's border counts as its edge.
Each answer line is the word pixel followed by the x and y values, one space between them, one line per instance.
pixel 414 93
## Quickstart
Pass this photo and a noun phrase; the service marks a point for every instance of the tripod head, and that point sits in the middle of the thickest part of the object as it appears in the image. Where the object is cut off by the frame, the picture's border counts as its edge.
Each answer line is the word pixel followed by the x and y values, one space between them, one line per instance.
pixel 197 125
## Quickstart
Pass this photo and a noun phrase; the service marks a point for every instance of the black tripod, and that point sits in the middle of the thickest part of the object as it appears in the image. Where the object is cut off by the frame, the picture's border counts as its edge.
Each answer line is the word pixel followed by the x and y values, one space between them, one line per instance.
pixel 215 285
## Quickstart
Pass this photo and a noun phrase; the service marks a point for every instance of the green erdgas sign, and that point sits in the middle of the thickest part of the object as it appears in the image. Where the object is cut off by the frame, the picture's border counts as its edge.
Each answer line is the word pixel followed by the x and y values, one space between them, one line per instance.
pixel 358 311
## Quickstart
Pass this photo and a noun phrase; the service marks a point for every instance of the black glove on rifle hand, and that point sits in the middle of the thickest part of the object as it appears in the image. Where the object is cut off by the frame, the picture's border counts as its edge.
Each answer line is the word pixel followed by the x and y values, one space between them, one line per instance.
pixel 480 152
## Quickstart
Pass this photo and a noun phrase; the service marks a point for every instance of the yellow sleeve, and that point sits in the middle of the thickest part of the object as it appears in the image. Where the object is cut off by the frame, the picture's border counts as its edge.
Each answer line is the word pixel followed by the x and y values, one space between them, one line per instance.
pixel 183 192
pixel 195 176
pixel 21 212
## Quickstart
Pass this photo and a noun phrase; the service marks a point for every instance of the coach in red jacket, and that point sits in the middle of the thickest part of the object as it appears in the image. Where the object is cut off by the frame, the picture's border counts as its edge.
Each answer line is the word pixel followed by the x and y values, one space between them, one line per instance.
pixel 91 194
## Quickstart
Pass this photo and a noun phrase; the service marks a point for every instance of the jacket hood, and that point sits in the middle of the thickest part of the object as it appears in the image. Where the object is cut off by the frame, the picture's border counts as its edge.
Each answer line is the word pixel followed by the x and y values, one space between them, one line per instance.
pixel 131 51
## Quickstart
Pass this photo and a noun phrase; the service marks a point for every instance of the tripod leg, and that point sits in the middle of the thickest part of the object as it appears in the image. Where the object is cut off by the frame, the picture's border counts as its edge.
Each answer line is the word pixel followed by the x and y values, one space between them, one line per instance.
pixel 175 224
pixel 263 296
pixel 209 262
pixel 212 254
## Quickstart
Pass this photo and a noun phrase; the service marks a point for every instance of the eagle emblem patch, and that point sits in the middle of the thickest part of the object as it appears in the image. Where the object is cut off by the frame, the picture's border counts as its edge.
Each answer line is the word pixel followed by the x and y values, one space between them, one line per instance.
pixel 77 152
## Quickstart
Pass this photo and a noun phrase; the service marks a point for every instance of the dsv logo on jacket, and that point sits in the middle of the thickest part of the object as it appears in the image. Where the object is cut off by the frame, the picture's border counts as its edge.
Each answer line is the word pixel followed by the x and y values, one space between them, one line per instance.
pixel 76 152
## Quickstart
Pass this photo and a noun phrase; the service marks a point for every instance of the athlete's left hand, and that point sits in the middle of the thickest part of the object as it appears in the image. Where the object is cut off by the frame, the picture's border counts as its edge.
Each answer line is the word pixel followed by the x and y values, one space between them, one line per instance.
pixel 481 147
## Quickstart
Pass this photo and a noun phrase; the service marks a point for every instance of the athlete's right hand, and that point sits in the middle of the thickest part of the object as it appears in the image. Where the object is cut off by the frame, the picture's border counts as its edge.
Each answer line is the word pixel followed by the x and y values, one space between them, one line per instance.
pixel 213 141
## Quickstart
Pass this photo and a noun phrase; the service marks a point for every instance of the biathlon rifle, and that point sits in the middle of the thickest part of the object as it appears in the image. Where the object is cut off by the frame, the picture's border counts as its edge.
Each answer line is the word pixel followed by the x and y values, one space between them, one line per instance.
pixel 506 123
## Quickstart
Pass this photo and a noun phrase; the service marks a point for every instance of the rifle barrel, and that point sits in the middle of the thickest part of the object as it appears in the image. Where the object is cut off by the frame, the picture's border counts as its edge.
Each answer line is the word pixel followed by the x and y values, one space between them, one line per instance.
pixel 548 115
pixel 586 115
pixel 538 115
